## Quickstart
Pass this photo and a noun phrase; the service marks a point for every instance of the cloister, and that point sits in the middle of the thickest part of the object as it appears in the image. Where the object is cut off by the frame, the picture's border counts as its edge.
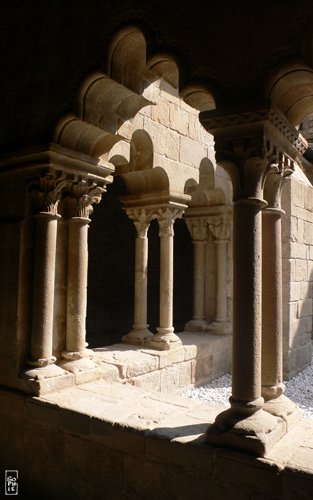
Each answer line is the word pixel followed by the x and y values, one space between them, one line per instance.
pixel 156 232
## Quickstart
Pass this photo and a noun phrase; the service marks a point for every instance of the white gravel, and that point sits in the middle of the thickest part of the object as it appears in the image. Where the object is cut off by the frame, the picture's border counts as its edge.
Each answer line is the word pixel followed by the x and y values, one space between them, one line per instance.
pixel 299 389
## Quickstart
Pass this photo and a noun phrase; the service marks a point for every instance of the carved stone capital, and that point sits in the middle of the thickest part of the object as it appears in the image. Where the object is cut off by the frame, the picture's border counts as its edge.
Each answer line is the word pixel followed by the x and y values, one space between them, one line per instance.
pixel 281 167
pixel 220 227
pixel 45 193
pixel 197 227
pixel 251 144
pixel 166 217
pixel 141 218
pixel 81 197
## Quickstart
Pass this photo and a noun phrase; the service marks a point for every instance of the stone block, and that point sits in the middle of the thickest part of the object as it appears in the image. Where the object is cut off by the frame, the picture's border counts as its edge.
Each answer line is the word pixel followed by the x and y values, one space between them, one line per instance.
pixel 191 152
pixel 149 381
pixel 202 369
pixel 93 462
pixel 178 119
pixel 125 440
pixel 306 290
pixel 295 290
pixel 165 141
pixel 185 378
pixel 301 270
pixel 170 379
pixel 298 250
pixel 304 308
pixel 110 373
pixel 161 112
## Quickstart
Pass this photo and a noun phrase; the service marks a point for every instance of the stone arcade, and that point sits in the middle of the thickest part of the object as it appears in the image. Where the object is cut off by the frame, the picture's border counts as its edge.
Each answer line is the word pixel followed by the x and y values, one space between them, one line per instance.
pixel 187 182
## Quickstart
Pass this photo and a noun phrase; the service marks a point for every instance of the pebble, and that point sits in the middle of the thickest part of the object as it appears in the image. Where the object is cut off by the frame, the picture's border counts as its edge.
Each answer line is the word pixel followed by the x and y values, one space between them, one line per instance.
pixel 299 389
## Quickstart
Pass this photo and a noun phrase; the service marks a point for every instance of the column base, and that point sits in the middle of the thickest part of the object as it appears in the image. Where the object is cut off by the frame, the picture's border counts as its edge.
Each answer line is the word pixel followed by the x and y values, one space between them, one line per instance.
pixel 219 328
pixel 46 379
pixel 137 336
pixel 284 408
pixel 75 355
pixel 256 434
pixel 83 369
pixel 42 362
pixel 164 340
pixel 196 325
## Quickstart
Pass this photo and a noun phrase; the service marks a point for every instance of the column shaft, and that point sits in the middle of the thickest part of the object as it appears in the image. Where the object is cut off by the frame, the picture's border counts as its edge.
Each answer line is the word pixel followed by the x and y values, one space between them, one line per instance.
pixel 43 295
pixel 272 385
pixel 198 279
pixel 77 286
pixel 166 284
pixel 221 280
pixel 246 372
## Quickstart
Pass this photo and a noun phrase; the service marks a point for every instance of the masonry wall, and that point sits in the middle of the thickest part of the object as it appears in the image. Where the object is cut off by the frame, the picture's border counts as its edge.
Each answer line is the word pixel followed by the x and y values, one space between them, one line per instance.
pixel 297 225
pixel 174 140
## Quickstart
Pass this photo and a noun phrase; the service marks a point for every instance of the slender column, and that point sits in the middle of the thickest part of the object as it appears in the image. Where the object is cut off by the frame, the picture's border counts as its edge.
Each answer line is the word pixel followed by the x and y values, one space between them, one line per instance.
pixel 165 337
pixel 248 144
pixel 43 295
pixel 199 231
pixel 83 197
pixel 220 229
pixel 272 368
pixel 140 331
pixel 45 195
pixel 272 336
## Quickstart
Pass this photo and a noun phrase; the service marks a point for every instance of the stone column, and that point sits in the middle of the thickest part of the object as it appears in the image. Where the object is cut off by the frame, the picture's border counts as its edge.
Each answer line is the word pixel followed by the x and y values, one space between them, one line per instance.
pixel 45 195
pixel 165 337
pixel 272 335
pixel 140 332
pixel 246 425
pixel 83 196
pixel 198 229
pixel 247 145
pixel 220 228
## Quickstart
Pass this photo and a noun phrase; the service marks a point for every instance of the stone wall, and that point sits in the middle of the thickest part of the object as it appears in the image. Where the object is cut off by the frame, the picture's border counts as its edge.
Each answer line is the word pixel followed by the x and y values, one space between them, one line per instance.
pixel 297 225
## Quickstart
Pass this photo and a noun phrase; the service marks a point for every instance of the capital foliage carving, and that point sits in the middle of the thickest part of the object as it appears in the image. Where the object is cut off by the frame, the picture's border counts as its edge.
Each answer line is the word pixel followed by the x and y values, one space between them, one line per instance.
pixel 220 227
pixel 45 193
pixel 84 195
pixel 198 228
pixel 252 144
pixel 141 218
pixel 166 218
